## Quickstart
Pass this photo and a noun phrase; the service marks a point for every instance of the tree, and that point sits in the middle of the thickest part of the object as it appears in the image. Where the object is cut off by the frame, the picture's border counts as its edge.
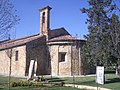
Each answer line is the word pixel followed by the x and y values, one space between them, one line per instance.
pixel 97 50
pixel 115 38
pixel 9 53
pixel 8 18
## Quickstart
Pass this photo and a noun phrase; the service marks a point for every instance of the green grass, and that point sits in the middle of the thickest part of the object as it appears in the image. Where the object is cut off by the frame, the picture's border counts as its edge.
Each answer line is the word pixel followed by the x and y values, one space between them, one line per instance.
pixel 39 88
pixel 4 85
pixel 112 82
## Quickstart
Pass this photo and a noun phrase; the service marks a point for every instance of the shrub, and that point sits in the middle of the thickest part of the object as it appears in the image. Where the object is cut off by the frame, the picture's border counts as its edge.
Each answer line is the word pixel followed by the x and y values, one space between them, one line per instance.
pixel 41 79
pixel 20 83
pixel 62 83
pixel 13 84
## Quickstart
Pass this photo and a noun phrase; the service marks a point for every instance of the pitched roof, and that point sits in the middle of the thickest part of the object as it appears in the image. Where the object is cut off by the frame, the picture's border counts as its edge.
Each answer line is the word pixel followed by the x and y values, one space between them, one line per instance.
pixel 45 8
pixel 64 38
pixel 21 41
pixel 58 32
pixel 61 34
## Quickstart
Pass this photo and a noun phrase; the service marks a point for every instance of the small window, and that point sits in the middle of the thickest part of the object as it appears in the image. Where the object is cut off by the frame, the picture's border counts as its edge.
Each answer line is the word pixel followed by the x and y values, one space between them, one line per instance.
pixel 43 17
pixel 62 57
pixel 16 55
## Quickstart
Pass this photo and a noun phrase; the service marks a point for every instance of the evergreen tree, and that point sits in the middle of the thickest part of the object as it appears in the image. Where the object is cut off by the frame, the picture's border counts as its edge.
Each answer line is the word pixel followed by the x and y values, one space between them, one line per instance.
pixel 97 40
pixel 115 39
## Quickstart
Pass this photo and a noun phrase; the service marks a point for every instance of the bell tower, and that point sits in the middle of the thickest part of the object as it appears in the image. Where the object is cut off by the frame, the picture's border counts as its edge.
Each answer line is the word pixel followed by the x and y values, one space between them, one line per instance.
pixel 45 21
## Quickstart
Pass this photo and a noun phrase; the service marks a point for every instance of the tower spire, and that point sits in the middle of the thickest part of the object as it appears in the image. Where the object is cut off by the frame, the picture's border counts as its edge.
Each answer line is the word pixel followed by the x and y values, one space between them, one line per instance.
pixel 45 21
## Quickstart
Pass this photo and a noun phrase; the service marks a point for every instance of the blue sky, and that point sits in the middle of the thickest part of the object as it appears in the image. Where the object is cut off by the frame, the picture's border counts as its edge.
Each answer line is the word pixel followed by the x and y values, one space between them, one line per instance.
pixel 64 13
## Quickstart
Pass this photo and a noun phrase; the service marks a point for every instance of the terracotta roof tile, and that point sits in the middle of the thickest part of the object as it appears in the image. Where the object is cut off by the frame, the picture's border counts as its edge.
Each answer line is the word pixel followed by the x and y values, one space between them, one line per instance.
pixel 59 34
pixel 64 37
pixel 21 41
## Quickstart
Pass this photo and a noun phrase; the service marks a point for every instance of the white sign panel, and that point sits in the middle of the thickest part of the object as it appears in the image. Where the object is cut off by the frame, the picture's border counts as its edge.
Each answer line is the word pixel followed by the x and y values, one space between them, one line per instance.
pixel 31 68
pixel 100 74
pixel 35 68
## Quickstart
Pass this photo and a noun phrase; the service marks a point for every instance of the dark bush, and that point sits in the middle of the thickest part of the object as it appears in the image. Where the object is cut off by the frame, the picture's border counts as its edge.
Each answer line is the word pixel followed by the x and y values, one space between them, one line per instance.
pixel 20 83
pixel 13 84
pixel 62 83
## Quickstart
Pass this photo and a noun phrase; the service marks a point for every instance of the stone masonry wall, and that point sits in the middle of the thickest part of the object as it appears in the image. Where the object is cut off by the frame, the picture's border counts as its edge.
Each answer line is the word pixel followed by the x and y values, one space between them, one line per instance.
pixel 76 61
pixel 17 67
pixel 72 64
pixel 65 67
pixel 60 68
pixel 37 50
pixel 54 59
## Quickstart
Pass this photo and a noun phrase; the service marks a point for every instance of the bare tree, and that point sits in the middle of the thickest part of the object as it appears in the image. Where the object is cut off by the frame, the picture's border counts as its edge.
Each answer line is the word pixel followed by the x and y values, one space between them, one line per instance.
pixel 9 53
pixel 8 18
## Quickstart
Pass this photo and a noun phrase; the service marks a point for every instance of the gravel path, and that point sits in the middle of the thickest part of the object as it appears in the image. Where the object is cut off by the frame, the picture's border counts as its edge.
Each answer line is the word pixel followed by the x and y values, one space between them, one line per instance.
pixel 86 87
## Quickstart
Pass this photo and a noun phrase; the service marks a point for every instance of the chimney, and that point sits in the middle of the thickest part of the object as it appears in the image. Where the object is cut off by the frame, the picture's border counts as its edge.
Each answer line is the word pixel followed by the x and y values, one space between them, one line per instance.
pixel 45 21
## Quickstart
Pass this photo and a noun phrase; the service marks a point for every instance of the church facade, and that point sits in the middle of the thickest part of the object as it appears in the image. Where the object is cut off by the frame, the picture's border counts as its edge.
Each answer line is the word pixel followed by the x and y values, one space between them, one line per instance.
pixel 55 52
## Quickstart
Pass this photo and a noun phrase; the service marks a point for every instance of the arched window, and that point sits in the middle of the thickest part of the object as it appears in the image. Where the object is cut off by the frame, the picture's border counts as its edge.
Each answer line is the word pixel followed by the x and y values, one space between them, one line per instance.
pixel 43 17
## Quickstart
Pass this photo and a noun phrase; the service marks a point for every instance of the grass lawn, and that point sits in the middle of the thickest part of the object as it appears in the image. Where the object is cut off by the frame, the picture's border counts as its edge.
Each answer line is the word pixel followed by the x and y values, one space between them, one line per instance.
pixel 4 85
pixel 112 82
pixel 39 88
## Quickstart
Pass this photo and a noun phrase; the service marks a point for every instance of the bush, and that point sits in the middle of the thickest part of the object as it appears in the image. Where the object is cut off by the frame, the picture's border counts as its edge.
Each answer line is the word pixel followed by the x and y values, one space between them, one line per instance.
pixel 13 84
pixel 20 83
pixel 62 83
pixel 41 79
pixel 109 70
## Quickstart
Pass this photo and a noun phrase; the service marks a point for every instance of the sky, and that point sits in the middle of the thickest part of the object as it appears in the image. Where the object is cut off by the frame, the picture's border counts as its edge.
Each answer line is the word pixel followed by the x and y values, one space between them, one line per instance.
pixel 64 13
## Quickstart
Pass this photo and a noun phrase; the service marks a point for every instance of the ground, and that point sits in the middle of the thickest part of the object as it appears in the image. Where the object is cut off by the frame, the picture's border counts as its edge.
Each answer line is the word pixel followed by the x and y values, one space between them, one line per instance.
pixel 111 82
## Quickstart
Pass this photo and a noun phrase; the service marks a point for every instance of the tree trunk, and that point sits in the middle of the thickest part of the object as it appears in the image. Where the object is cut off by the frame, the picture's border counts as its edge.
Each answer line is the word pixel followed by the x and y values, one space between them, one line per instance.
pixel 118 67
pixel 9 73
pixel 116 72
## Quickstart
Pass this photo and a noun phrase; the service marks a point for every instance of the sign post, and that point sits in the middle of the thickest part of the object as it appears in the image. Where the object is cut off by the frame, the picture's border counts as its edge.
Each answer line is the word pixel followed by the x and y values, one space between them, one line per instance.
pixel 31 69
pixel 100 74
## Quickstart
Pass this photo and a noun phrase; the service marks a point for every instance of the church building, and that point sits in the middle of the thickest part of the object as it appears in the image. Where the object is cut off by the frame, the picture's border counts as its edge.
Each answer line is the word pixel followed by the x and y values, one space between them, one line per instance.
pixel 55 52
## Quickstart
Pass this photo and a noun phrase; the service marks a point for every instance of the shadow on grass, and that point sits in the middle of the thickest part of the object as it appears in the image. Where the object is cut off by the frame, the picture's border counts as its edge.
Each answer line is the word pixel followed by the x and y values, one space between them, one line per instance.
pixel 55 80
pixel 108 81
pixel 113 80
pixel 110 71
pixel 52 78
pixel 85 83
